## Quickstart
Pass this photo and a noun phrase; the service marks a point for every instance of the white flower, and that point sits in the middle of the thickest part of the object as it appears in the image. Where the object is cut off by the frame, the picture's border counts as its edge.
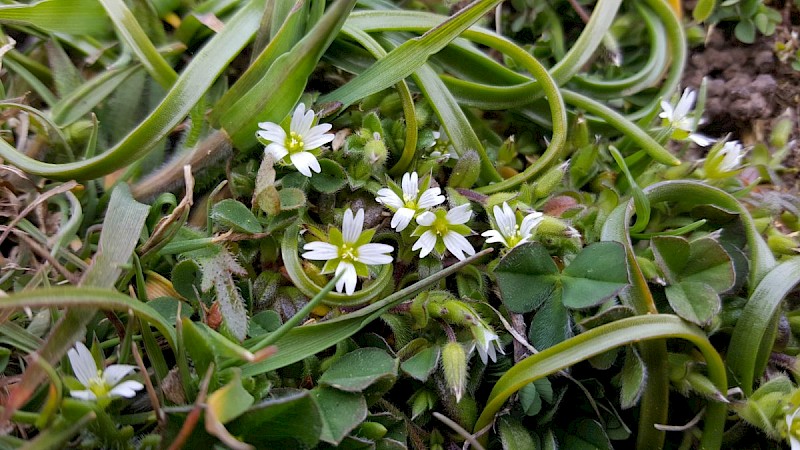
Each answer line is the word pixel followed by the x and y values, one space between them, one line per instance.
pixel 412 202
pixel 679 118
pixel 349 251
pixel 298 143
pixel 732 155
pixel 100 383
pixel 723 160
pixel 508 231
pixel 444 229
pixel 487 342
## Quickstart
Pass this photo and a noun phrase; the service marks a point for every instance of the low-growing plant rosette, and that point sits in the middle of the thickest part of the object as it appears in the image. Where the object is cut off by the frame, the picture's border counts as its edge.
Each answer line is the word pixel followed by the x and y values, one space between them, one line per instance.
pixel 349 251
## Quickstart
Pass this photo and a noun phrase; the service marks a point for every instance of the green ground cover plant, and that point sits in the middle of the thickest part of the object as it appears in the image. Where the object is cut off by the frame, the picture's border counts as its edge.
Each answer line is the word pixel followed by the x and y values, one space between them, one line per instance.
pixel 375 225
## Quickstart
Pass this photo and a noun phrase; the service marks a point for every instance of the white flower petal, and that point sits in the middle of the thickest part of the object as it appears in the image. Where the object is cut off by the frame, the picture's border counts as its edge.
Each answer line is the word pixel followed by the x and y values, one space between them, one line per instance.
pixel 389 198
pixel 410 185
pixel 375 254
pixel 685 103
pixel 305 162
pixel 126 389
pixel 83 395
pixel 116 372
pixel 426 242
pixel 701 139
pixel 666 112
pixel 458 245
pixel 82 362
pixel 430 198
pixel 352 225
pixel 277 151
pixel 482 353
pixel 530 222
pixel 318 137
pixel 402 218
pixel 272 131
pixel 348 280
pixel 793 440
pixel 494 237
pixel 426 219
pixel 299 120
pixel 320 251
pixel 459 215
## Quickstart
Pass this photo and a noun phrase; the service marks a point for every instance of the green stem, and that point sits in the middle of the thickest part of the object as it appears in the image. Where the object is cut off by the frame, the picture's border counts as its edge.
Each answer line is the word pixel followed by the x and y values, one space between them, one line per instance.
pixel 297 317
pixel 557 111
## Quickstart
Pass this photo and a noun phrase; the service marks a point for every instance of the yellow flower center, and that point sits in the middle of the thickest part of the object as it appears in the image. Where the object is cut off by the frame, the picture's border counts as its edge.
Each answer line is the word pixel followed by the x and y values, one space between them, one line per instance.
pixel 294 142
pixel 440 226
pixel 97 385
pixel 347 252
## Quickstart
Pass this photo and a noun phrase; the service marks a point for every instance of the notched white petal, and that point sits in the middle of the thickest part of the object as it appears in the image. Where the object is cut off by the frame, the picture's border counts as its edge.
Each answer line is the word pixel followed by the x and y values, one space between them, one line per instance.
pixel 459 215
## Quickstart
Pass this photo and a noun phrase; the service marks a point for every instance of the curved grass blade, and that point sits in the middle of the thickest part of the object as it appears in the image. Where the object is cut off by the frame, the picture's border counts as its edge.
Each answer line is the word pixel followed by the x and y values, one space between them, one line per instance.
pixel 409 56
pixel 754 333
pixel 81 101
pixel 601 339
pixel 195 80
pixel 278 90
pixel 59 16
pixel 136 38
pixel 89 297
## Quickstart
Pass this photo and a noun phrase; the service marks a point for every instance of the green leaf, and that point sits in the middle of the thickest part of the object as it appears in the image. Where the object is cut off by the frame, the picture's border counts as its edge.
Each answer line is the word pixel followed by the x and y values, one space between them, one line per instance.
pixel 745 31
pixel 671 254
pixel 598 273
pixel 197 345
pixel 331 179
pixel 633 379
pixel 422 365
pixel 550 325
pixel 168 308
pixel 5 355
pixel 186 278
pixel 694 301
pixel 514 435
pixel 235 215
pixel 586 434
pixel 709 263
pixel 703 9
pixel 527 277
pixel 59 16
pixel 229 401
pixel 291 198
pixel 341 412
pixel 530 400
pixel 359 369
pixel 466 171
pixel 289 419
